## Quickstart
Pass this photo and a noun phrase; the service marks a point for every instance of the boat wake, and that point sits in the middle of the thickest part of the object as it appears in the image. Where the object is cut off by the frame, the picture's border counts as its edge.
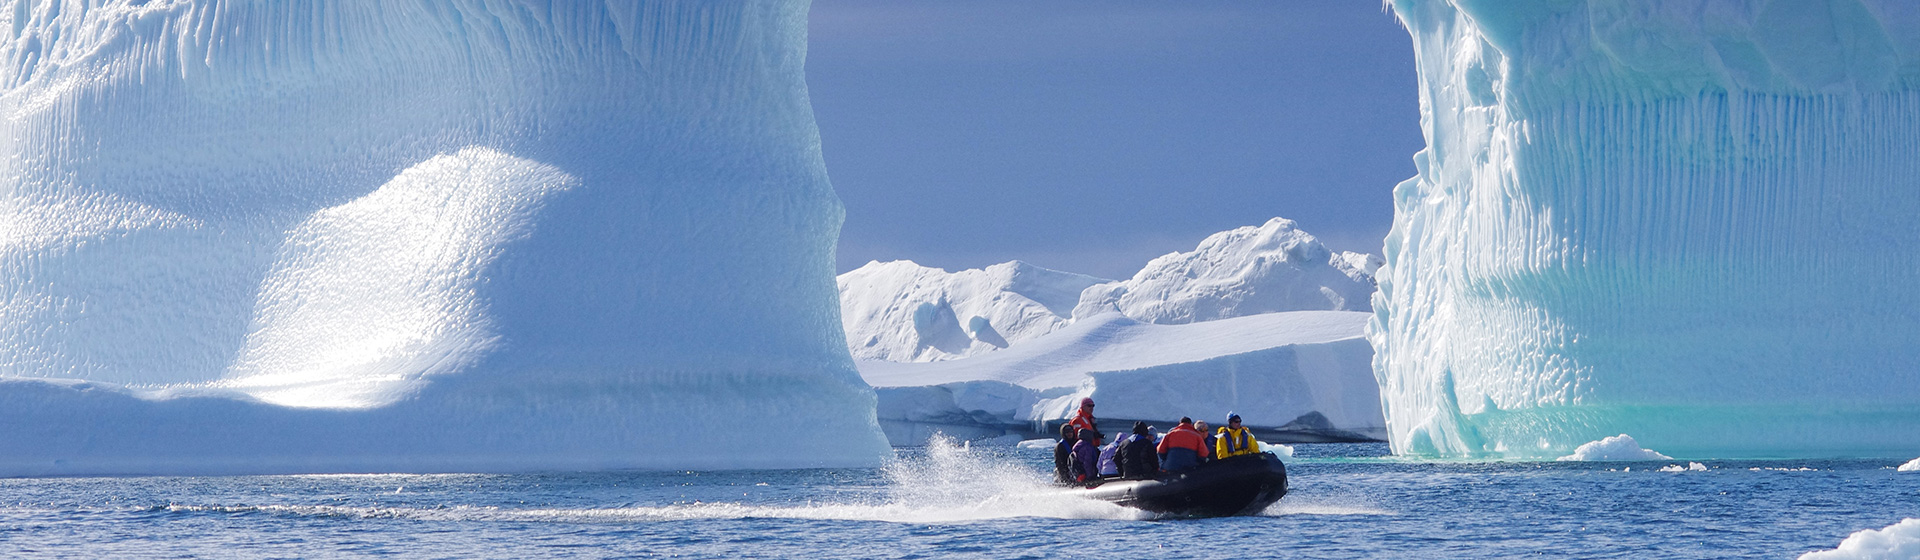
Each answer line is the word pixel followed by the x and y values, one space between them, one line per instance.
pixel 951 483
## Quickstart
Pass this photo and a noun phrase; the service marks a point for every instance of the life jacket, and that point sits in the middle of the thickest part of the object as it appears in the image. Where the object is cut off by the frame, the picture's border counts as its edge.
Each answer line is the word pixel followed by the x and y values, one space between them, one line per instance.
pixel 1233 443
pixel 1083 420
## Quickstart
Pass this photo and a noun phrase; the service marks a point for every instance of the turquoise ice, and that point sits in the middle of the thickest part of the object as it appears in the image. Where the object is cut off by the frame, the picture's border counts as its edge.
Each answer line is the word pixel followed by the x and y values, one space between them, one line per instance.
pixel 1687 221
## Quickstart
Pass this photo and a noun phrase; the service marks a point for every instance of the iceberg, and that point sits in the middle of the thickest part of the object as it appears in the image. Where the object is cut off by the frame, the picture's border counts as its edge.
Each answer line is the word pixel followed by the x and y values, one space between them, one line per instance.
pixel 1615 448
pixel 268 237
pixel 1690 221
pixel 1894 542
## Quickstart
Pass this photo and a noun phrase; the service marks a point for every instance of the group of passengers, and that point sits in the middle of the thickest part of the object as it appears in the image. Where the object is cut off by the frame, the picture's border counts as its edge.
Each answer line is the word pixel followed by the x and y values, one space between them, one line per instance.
pixel 1080 457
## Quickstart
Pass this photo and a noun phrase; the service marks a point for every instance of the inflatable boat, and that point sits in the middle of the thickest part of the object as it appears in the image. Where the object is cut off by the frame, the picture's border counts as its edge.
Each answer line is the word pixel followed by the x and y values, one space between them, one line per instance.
pixel 1243 485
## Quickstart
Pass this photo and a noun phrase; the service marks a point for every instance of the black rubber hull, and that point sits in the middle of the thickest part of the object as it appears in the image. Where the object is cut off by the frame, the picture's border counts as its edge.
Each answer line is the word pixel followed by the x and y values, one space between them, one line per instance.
pixel 1243 485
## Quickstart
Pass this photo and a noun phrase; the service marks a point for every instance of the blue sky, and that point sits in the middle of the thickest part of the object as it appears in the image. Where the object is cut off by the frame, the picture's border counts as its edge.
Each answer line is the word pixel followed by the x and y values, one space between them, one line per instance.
pixel 1094 136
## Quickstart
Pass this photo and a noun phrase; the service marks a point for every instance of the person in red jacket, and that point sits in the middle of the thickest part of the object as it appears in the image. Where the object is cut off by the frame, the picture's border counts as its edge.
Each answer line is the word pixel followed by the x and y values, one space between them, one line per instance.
pixel 1182 448
pixel 1083 420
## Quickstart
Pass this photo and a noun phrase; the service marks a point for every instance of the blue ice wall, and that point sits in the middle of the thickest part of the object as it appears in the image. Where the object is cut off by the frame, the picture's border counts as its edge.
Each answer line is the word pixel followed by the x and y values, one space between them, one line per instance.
pixel 1690 221
pixel 292 236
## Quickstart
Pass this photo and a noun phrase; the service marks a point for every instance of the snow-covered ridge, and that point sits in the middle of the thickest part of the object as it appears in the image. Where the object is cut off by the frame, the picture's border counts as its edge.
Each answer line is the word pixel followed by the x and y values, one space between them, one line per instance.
pixel 901 311
pixel 1239 272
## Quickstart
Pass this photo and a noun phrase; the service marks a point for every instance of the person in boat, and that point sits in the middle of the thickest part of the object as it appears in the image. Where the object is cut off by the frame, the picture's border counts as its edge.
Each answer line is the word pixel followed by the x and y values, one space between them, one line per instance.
pixel 1086 456
pixel 1110 456
pixel 1207 439
pixel 1063 453
pixel 1182 448
pixel 1234 440
pixel 1083 419
pixel 1137 459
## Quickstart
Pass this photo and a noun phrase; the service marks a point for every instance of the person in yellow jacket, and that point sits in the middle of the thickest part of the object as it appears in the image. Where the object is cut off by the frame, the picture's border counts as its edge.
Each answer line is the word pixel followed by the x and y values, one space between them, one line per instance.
pixel 1234 440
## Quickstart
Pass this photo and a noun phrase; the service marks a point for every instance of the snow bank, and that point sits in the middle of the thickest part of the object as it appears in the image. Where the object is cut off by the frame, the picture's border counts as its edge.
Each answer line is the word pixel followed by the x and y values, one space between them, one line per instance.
pixel 1644 216
pixel 416 236
pixel 902 312
pixel 1900 541
pixel 1245 271
pixel 1911 466
pixel 1616 448
pixel 1305 371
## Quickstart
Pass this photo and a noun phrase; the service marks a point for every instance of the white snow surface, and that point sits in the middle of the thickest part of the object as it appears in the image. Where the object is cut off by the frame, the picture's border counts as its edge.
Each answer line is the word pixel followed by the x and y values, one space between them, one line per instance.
pixel 1613 448
pixel 431 235
pixel 1910 466
pixel 1244 271
pixel 1899 541
pixel 1688 221
pixel 1270 368
pixel 902 312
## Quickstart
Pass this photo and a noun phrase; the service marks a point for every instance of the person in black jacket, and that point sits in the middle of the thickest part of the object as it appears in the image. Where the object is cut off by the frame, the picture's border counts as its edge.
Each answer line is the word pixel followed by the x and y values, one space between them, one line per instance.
pixel 1137 458
pixel 1063 455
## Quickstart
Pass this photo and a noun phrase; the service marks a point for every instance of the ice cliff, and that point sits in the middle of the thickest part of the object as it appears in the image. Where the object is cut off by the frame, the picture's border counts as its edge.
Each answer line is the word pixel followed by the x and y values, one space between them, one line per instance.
pixel 416 235
pixel 1688 221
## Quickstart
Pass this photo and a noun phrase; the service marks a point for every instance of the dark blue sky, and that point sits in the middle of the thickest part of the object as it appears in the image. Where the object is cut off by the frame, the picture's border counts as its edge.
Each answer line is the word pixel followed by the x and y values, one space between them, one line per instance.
pixel 1094 136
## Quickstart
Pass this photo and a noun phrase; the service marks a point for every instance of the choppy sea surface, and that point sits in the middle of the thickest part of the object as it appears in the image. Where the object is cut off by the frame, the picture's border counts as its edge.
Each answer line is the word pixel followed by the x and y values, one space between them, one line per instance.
pixel 957 501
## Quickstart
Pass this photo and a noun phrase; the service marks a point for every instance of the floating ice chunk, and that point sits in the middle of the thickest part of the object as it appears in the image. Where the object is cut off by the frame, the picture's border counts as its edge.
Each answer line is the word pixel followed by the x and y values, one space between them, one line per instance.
pixel 1616 448
pixel 1037 444
pixel 1911 466
pixel 1900 541
pixel 1281 450
pixel 1691 466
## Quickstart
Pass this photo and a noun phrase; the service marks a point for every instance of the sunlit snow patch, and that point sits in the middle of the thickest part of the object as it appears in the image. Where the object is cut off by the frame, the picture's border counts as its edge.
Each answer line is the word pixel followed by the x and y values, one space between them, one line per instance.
pixel 1900 541
pixel 1616 448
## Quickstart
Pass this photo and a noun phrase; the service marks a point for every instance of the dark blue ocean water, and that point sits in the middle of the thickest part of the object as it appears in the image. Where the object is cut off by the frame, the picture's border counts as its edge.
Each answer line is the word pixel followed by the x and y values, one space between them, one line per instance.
pixel 957 502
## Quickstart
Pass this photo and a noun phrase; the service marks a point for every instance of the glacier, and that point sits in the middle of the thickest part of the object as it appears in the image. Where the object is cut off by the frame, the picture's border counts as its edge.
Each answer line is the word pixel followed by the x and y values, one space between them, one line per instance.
pixel 1689 221
pixel 1299 376
pixel 416 235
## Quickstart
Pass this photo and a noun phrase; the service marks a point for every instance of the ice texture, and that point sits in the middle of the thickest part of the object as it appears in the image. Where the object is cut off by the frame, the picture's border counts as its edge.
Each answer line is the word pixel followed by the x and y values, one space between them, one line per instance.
pixel 1244 271
pixel 1899 541
pixel 1309 369
pixel 1691 221
pixel 1910 466
pixel 416 235
pixel 899 311
pixel 1613 448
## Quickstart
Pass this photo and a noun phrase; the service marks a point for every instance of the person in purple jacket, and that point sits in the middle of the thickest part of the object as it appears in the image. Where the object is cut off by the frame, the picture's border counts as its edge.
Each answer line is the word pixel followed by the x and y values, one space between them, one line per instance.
pixel 1086 456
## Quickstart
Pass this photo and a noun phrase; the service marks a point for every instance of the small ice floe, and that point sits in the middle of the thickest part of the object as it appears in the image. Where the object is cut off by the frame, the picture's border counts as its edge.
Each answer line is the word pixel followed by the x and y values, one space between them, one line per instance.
pixel 1898 541
pixel 1691 466
pixel 1616 448
pixel 1036 444
pixel 1280 450
pixel 1911 466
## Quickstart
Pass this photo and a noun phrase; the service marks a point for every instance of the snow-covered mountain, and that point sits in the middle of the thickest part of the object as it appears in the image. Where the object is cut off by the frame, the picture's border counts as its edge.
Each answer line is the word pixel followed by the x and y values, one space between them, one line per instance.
pixel 903 312
pixel 1264 321
pixel 900 311
pixel 1240 272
